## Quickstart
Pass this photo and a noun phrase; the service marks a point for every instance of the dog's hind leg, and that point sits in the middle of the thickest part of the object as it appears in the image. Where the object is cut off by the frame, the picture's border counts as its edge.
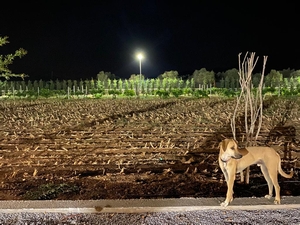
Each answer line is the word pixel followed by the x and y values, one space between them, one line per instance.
pixel 274 179
pixel 242 177
pixel 245 179
pixel 247 175
pixel 265 172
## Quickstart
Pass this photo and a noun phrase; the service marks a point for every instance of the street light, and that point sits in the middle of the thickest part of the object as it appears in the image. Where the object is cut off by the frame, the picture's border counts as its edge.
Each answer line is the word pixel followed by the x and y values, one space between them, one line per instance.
pixel 140 57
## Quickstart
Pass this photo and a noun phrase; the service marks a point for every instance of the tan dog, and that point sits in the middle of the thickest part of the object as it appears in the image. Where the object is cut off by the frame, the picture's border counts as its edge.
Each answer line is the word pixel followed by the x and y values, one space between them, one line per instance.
pixel 233 160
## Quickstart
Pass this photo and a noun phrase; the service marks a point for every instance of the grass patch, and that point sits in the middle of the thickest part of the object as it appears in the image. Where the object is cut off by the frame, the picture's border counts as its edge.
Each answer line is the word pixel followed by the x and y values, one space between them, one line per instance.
pixel 50 191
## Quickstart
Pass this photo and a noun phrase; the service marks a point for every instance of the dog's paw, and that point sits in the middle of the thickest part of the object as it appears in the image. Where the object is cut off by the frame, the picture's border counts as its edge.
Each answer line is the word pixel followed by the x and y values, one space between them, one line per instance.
pixel 277 202
pixel 268 196
pixel 224 204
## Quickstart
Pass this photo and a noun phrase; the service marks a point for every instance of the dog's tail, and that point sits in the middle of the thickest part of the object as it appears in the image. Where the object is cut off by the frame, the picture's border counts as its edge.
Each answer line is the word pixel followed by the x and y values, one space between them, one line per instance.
pixel 282 173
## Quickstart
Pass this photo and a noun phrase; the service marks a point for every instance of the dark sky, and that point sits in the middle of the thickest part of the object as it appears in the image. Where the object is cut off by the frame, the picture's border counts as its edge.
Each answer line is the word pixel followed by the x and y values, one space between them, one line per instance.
pixel 77 39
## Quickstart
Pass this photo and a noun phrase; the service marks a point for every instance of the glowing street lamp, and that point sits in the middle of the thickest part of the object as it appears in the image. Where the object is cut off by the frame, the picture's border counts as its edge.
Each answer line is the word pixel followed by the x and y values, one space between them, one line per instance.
pixel 140 57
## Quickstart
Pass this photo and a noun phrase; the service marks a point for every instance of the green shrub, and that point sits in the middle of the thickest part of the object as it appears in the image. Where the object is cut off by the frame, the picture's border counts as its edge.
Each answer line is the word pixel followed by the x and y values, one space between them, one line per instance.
pixel 21 94
pixel 228 92
pixel 46 93
pixel 60 92
pixel 217 91
pixel 31 93
pixel 288 92
pixel 162 93
pixel 97 91
pixel 187 91
pixel 200 93
pixel 78 93
pixel 114 93
pixel 129 92
pixel 269 90
pixel 176 92
pixel 98 95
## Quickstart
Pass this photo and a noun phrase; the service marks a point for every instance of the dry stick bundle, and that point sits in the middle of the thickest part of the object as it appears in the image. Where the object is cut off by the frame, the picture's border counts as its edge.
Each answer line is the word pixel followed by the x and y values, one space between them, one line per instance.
pixel 253 102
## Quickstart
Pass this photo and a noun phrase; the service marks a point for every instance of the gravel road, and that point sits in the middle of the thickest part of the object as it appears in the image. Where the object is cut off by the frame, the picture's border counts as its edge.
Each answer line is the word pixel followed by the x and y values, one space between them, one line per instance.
pixel 282 216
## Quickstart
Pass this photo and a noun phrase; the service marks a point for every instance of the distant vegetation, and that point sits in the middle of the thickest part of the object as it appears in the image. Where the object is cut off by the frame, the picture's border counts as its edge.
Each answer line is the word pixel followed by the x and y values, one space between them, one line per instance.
pixel 202 83
pixel 160 87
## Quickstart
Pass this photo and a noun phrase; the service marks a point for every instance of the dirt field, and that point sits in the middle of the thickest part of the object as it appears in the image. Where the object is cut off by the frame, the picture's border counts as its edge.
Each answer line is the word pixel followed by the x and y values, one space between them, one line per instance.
pixel 122 149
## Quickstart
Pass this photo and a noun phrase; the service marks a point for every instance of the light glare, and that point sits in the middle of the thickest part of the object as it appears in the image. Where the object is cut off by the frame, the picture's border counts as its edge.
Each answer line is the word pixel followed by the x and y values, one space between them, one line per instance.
pixel 140 56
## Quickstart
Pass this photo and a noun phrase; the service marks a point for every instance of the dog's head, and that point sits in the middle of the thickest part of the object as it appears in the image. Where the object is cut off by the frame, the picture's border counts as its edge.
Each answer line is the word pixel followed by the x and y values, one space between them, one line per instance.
pixel 228 150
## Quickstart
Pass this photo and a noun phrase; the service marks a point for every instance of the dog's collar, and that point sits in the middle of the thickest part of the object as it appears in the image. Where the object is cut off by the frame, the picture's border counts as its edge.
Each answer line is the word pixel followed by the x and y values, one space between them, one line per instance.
pixel 225 161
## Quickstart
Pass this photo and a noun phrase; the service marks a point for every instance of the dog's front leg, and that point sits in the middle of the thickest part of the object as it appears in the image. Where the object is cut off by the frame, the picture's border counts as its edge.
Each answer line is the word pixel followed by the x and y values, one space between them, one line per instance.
pixel 223 168
pixel 231 178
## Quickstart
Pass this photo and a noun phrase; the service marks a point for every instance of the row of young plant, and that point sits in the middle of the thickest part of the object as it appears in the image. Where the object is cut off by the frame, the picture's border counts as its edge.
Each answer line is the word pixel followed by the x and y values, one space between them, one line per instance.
pixel 97 88
pixel 157 87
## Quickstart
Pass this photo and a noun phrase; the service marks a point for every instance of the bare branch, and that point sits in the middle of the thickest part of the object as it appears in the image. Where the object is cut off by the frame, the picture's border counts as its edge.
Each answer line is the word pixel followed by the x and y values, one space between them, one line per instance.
pixel 253 102
pixel 261 97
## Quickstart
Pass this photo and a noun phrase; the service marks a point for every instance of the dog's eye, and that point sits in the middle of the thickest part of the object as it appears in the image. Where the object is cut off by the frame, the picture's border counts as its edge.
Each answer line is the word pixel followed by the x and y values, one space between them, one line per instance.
pixel 232 148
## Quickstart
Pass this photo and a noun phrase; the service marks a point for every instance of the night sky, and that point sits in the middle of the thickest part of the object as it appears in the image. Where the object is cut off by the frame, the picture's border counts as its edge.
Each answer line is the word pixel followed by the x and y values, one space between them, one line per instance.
pixel 78 39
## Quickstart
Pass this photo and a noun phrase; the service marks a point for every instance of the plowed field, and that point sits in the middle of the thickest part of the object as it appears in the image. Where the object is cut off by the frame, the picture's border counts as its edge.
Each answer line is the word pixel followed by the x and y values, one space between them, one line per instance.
pixel 131 148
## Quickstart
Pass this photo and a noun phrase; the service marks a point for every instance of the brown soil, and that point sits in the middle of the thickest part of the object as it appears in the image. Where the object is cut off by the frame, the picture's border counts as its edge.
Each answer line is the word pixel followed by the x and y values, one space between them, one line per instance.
pixel 125 149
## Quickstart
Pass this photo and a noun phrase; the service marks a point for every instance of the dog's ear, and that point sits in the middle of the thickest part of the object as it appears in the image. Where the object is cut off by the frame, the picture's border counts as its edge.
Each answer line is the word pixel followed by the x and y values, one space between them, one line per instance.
pixel 220 144
pixel 223 144
pixel 236 142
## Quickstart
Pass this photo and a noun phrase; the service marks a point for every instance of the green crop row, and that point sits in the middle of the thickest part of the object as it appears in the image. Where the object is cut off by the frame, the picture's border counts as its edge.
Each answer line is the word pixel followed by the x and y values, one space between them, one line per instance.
pixel 150 87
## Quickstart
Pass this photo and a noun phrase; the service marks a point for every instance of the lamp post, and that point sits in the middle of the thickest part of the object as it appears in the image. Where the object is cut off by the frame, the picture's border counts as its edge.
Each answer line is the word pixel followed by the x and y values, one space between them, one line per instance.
pixel 140 57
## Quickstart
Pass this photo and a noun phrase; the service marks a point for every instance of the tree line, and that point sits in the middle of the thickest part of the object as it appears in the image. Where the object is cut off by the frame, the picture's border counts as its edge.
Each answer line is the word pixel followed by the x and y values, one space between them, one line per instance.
pixel 166 84
pixel 200 79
